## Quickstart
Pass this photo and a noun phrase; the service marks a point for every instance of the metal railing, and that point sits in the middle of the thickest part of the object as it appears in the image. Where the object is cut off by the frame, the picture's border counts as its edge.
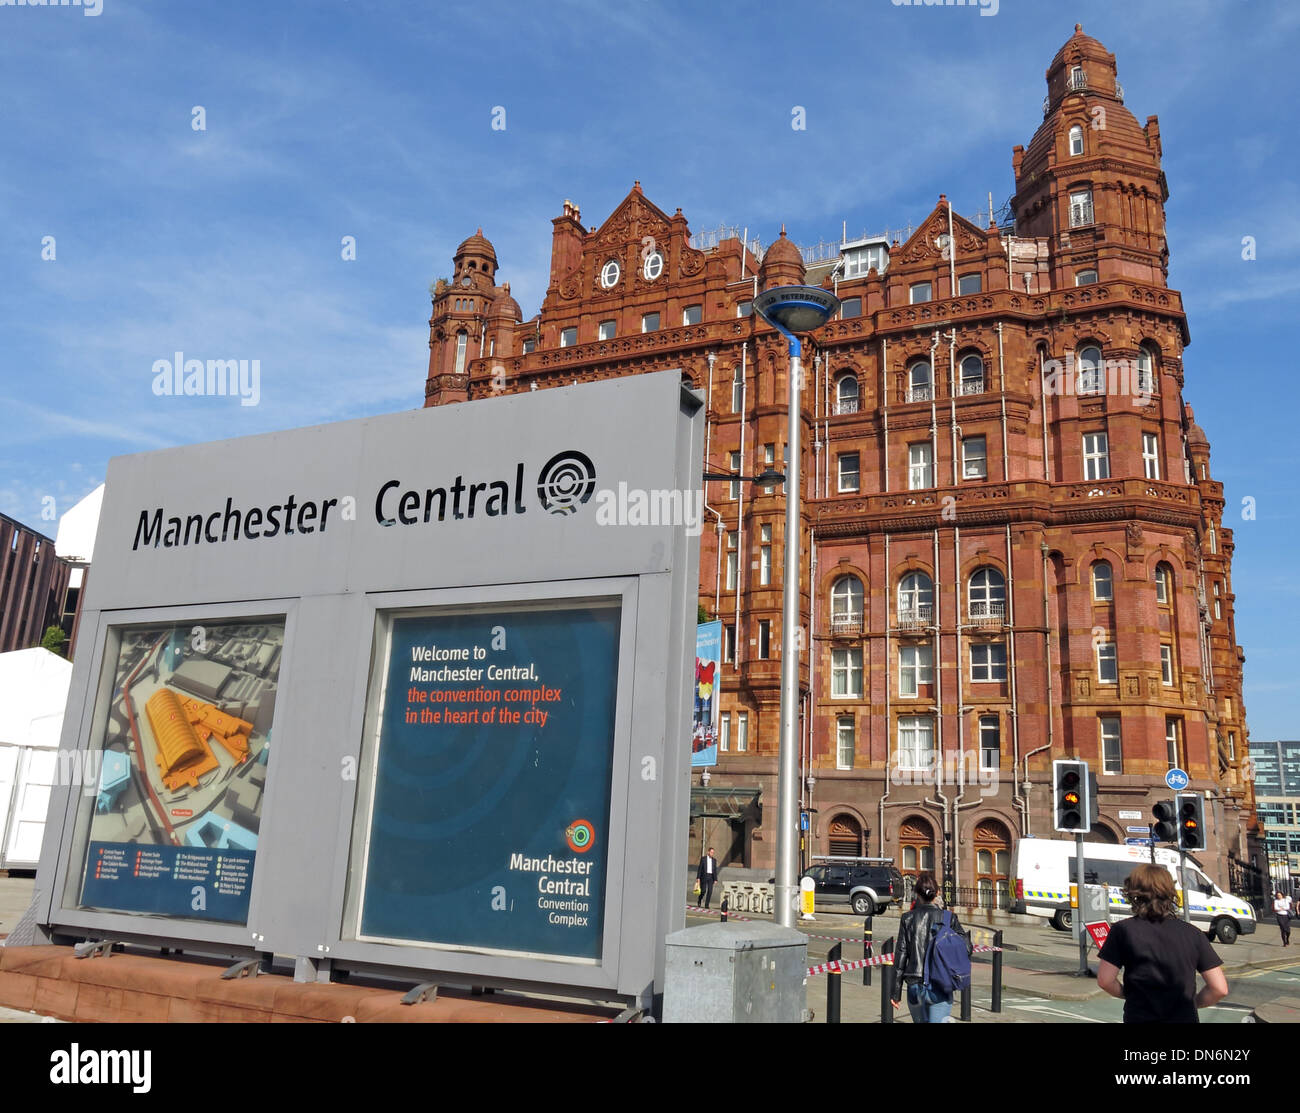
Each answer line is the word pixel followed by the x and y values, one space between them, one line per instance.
pixel 976 896
pixel 846 406
pixel 847 623
pixel 971 386
pixel 919 393
pixel 1248 882
pixel 915 618
pixel 1077 82
pixel 987 614
pixel 710 238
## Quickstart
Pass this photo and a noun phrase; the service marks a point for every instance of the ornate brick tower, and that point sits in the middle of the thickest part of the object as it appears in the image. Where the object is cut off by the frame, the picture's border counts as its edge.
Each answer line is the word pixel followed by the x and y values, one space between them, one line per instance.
pixel 468 313
pixel 1091 178
pixel 1014 547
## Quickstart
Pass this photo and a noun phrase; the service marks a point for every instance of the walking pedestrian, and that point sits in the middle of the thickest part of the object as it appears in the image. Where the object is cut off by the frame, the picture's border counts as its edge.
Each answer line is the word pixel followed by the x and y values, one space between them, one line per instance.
pixel 1160 956
pixel 914 951
pixel 1282 910
pixel 706 875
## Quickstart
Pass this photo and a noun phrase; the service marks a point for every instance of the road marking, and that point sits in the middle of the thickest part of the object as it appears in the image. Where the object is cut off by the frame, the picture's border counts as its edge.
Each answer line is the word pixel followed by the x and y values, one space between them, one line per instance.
pixel 1051 1011
pixel 1278 970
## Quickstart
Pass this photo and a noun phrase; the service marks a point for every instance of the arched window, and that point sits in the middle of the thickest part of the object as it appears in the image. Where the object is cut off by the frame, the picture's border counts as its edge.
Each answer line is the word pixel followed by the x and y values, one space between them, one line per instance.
pixel 1086 277
pixel 1102 587
pixel 844 835
pixel 1164 584
pixel 846 394
pixel 1090 371
pixel 1076 140
pixel 846 605
pixel 916 844
pixel 993 864
pixel 919 382
pixel 461 340
pixel 972 375
pixel 1146 383
pixel 915 600
pixel 988 595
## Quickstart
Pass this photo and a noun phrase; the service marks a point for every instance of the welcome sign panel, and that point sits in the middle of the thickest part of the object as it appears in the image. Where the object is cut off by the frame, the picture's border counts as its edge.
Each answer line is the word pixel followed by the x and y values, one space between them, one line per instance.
pixel 489 820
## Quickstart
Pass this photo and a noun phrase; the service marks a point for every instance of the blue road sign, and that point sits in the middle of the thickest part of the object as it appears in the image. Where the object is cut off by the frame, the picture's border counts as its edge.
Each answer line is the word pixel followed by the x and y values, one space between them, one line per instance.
pixel 1177 779
pixel 1139 842
pixel 803 821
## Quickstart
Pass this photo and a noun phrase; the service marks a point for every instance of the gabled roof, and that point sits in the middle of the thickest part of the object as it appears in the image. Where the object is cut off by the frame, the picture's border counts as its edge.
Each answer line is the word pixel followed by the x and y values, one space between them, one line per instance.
pixel 635 216
pixel 923 243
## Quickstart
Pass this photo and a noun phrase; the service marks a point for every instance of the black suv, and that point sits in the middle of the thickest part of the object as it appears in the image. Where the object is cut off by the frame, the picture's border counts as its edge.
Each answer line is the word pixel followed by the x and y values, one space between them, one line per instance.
pixel 866 888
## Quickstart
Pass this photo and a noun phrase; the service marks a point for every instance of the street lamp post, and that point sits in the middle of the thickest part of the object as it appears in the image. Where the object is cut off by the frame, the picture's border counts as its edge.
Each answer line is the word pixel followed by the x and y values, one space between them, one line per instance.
pixel 791 310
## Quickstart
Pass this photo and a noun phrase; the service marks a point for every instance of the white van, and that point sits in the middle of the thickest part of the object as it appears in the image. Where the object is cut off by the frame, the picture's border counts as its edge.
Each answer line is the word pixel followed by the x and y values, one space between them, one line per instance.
pixel 1044 869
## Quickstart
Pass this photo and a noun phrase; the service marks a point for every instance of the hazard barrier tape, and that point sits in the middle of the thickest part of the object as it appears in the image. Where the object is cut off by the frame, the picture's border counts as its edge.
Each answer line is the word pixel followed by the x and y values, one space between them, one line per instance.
pixel 845 965
pixel 751 920
pixel 832 967
pixel 831 938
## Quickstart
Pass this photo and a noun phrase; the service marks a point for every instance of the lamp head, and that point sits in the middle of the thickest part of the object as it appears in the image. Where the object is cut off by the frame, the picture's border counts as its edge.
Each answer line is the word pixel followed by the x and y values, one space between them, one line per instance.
pixel 794 309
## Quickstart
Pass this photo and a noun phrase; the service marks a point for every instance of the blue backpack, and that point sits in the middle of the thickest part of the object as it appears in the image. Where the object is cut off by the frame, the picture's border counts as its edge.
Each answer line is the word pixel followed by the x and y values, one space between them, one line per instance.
pixel 947 962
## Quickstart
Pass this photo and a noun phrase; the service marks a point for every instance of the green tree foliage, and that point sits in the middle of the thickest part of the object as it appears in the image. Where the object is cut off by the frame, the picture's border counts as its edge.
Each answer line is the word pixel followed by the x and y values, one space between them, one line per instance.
pixel 54 640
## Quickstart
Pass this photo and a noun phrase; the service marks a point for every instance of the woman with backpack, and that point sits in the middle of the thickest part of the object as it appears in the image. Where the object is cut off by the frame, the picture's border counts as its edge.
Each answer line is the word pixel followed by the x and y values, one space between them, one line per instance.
pixel 931 956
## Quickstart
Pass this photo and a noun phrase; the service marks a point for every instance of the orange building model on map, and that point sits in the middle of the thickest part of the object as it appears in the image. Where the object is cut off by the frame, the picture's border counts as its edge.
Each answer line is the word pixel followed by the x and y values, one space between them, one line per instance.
pixel 181 729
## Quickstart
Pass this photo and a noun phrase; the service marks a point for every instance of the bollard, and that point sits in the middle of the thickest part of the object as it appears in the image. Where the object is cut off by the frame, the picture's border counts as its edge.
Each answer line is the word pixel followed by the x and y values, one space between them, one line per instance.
pixel 997 972
pixel 866 949
pixel 723 907
pixel 833 984
pixel 965 1003
pixel 887 975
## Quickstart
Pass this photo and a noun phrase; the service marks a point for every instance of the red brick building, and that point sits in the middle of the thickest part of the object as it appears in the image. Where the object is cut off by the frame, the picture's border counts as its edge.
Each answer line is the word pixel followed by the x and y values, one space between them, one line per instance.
pixel 1014 547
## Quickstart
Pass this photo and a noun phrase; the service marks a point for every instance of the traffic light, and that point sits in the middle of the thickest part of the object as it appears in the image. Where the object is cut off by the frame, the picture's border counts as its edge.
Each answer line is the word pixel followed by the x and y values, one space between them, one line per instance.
pixel 1164 829
pixel 1191 821
pixel 1073 808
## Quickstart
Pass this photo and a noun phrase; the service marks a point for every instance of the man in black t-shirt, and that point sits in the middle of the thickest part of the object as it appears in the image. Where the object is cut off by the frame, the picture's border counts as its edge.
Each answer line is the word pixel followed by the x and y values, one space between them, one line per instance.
pixel 1160 956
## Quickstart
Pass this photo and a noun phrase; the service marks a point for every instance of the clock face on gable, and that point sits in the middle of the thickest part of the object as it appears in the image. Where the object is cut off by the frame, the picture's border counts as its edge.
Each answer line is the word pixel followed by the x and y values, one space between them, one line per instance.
pixel 610 273
pixel 465 281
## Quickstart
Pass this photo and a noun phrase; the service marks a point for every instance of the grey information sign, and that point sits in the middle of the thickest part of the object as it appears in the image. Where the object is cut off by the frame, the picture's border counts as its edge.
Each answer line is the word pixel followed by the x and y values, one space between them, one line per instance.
pixel 362 694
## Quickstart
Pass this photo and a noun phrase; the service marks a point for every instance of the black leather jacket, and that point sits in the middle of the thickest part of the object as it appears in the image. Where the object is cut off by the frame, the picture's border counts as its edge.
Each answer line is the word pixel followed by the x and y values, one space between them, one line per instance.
pixel 914 933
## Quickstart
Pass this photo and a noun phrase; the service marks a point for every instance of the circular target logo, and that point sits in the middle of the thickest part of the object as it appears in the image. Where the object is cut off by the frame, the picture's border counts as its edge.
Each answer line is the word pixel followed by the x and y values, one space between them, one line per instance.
pixel 580 835
pixel 566 482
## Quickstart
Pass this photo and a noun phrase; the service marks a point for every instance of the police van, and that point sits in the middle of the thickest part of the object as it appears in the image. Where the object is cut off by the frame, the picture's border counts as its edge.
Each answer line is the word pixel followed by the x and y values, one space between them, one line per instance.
pixel 1045 869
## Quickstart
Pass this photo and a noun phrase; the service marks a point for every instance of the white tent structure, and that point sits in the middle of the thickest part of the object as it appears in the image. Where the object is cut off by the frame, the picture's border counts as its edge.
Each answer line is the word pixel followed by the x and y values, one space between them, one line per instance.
pixel 33 694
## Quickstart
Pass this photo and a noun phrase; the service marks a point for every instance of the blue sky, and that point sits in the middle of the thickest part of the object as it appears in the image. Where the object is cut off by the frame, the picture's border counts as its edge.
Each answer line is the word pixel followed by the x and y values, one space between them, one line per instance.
pixel 337 118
